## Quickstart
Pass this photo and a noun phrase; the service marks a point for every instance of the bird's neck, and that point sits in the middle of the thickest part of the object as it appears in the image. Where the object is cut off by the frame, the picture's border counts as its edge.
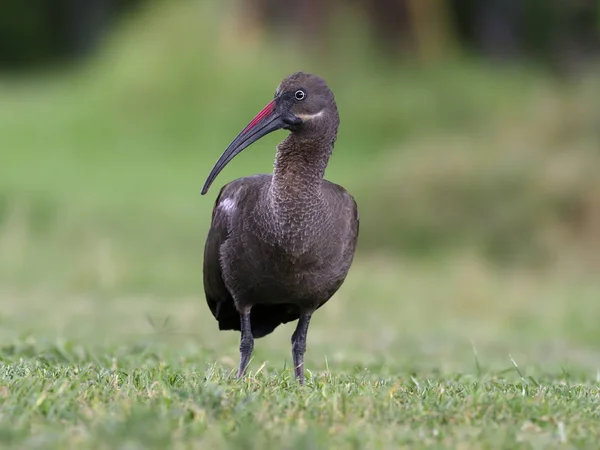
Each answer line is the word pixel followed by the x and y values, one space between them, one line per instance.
pixel 296 201
pixel 299 170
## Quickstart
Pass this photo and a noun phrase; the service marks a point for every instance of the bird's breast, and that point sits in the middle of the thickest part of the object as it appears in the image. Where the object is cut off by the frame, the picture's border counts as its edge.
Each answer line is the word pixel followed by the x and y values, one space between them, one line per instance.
pixel 281 266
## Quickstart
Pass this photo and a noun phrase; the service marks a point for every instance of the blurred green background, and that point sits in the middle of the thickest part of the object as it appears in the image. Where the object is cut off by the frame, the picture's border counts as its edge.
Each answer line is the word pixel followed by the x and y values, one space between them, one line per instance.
pixel 470 139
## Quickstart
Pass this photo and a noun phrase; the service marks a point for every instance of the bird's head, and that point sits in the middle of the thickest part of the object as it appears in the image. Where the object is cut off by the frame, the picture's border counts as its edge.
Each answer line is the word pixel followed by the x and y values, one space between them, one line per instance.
pixel 303 104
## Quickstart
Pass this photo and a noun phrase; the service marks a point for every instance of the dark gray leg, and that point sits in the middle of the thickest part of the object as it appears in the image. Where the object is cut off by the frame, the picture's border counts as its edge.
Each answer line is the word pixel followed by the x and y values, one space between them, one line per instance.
pixel 299 346
pixel 246 342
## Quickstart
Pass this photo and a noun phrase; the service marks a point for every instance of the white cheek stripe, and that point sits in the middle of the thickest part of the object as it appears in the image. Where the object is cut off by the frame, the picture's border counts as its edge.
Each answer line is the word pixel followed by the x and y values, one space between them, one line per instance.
pixel 310 116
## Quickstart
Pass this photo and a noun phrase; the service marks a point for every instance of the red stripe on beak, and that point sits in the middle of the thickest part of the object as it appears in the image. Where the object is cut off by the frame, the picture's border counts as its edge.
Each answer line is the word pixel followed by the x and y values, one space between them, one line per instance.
pixel 261 115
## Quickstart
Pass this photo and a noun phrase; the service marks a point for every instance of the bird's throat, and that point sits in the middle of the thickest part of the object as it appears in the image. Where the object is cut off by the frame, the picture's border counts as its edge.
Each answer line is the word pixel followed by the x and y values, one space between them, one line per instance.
pixel 295 196
pixel 299 170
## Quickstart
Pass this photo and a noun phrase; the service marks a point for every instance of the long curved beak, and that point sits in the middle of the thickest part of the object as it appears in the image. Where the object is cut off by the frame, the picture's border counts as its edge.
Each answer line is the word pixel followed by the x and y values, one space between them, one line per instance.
pixel 265 122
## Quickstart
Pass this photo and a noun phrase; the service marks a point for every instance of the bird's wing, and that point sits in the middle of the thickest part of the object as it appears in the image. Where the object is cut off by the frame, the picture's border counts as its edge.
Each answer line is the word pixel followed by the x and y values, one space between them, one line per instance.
pixel 351 211
pixel 218 298
pixel 346 211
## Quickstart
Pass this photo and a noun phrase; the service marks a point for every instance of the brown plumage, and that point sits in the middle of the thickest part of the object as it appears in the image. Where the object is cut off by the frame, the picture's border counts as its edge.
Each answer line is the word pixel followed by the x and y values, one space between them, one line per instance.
pixel 281 245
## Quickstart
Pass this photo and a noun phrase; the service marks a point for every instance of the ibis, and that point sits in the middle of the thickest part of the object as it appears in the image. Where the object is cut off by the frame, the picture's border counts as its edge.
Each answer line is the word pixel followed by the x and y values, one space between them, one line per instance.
pixel 280 245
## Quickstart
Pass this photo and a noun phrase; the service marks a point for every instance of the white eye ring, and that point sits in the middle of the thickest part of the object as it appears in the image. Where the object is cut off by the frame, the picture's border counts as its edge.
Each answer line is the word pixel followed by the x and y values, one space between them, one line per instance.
pixel 300 95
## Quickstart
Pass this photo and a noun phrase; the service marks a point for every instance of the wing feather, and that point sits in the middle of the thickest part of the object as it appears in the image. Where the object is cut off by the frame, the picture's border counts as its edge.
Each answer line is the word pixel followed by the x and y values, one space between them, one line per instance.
pixel 218 298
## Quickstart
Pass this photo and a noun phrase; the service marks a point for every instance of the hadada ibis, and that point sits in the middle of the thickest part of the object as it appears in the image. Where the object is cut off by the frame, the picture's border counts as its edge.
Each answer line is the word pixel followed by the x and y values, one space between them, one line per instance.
pixel 281 244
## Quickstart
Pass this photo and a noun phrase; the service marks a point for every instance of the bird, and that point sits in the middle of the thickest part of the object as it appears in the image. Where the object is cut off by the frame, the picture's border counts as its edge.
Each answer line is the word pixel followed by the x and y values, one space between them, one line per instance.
pixel 280 245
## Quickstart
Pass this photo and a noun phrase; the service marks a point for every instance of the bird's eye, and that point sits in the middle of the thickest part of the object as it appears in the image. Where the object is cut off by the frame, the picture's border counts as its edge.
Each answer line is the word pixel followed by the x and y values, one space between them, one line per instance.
pixel 300 95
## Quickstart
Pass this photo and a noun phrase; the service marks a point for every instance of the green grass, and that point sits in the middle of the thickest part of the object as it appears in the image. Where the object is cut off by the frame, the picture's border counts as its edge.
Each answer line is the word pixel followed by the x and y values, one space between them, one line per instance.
pixel 172 408
pixel 403 356
pixel 105 339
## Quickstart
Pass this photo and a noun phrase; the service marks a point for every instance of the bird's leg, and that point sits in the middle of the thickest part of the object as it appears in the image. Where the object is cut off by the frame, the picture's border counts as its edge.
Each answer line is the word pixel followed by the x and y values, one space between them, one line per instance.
pixel 246 342
pixel 299 346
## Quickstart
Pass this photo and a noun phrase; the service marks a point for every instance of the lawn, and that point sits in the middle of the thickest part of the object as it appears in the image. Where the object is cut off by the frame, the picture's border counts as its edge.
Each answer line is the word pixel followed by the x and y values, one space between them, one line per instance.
pixel 451 356
pixel 470 316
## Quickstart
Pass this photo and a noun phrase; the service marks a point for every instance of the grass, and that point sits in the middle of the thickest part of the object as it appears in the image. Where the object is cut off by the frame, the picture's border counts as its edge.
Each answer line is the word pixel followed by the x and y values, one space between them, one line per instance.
pixel 474 359
pixel 105 340
pixel 169 407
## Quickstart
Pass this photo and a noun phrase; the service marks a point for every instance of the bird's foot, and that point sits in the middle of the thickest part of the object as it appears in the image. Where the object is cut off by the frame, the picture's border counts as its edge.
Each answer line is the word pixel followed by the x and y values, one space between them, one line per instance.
pixel 299 373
